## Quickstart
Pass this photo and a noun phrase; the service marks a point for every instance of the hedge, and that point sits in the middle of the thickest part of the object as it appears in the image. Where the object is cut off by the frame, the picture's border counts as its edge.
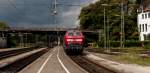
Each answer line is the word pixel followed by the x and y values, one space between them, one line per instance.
pixel 145 44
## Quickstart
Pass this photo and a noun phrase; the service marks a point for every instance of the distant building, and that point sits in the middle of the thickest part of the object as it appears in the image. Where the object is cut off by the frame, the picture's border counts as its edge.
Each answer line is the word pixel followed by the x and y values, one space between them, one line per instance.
pixel 144 19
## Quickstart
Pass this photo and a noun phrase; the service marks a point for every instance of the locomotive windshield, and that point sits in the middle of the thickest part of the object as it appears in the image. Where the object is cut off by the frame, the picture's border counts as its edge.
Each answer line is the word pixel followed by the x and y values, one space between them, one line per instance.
pixel 78 33
pixel 70 33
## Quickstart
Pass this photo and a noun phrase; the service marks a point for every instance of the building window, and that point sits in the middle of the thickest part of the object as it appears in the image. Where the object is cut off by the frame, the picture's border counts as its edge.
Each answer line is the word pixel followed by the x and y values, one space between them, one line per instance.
pixel 143 27
pixel 145 15
pixel 140 27
pixel 142 16
pixel 146 27
pixel 148 15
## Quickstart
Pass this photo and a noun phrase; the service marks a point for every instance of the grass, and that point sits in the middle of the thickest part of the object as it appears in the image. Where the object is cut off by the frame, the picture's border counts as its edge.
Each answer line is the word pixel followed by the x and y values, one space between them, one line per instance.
pixel 132 57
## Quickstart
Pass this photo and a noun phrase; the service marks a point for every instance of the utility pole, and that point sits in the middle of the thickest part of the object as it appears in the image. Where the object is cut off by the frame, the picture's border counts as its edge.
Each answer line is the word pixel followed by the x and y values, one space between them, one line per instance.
pixel 55 13
pixel 49 40
pixel 122 38
pixel 55 7
pixel 21 40
pixel 36 39
pixel 26 39
pixel 104 27
pixel 108 40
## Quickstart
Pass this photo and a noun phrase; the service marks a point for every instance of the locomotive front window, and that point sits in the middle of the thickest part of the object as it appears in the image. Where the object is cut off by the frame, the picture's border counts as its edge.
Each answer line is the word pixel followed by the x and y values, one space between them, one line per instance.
pixel 70 33
pixel 78 34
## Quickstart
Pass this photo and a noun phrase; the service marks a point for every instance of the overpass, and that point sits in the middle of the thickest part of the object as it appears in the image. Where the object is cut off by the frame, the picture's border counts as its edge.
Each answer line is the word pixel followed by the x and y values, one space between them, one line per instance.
pixel 46 35
pixel 25 29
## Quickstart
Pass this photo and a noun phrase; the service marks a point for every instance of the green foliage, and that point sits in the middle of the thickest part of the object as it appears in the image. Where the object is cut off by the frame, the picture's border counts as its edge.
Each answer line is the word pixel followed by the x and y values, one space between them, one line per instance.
pixel 92 17
pixel 126 43
pixel 146 44
pixel 3 25
pixel 133 44
pixel 132 57
pixel 13 41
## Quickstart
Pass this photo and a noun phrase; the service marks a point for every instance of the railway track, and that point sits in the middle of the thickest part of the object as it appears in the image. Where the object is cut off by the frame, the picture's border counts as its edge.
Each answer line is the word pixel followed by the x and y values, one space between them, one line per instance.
pixel 16 66
pixel 80 60
pixel 89 66
pixel 7 54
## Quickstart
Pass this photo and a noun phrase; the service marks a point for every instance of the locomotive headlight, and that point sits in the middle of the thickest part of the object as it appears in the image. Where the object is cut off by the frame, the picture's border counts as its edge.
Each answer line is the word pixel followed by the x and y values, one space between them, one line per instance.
pixel 69 40
pixel 79 40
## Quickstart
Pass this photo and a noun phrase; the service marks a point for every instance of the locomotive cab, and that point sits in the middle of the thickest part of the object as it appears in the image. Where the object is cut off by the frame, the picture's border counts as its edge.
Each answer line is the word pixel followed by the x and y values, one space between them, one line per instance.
pixel 73 42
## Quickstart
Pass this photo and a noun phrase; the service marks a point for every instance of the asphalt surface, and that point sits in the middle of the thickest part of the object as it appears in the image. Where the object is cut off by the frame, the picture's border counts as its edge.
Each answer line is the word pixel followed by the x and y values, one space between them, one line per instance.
pixel 54 61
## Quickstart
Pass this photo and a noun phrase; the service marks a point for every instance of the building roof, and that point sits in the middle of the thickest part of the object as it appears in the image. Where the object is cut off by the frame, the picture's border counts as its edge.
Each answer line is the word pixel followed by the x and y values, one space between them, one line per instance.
pixel 146 5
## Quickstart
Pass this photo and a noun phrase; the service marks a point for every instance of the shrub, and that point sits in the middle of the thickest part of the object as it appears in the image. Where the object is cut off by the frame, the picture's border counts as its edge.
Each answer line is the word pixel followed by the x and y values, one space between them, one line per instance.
pixel 146 44
pixel 132 43
pixel 126 44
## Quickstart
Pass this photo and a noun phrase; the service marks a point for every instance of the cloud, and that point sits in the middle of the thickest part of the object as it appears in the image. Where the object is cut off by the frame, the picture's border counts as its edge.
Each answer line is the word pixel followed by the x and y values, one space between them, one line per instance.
pixel 38 13
pixel 73 11
pixel 94 1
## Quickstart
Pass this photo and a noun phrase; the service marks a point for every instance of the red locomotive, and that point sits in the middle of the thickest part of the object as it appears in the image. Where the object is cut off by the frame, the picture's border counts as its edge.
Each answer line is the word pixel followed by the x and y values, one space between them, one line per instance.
pixel 73 41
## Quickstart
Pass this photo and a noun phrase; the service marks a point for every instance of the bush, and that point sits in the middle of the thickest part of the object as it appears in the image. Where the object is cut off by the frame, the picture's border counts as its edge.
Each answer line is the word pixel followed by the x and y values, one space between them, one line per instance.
pixel 115 44
pixel 133 43
pixel 146 44
pixel 126 43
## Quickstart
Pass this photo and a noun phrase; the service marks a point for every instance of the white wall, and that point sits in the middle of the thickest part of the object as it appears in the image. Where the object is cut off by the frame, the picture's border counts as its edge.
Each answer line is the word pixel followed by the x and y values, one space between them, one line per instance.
pixel 144 24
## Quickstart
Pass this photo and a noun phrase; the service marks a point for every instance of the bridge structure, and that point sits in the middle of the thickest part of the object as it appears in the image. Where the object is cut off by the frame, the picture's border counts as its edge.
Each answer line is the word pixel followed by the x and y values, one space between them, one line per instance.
pixel 29 36
pixel 25 29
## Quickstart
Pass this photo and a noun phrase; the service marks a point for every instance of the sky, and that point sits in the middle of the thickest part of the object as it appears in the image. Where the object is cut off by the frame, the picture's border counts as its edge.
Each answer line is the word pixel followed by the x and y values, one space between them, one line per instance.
pixel 38 13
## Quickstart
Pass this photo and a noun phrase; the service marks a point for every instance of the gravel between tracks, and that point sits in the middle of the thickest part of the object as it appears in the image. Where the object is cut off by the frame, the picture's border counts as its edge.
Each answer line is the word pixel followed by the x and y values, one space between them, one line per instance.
pixel 88 65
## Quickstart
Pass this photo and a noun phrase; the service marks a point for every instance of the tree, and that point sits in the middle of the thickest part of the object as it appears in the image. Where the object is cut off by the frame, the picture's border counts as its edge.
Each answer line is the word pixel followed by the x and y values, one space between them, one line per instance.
pixel 3 25
pixel 92 17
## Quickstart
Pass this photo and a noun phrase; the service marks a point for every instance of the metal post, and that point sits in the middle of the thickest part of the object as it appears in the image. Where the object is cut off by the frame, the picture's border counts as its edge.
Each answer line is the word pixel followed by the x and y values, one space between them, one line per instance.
pixel 99 35
pixel 26 39
pixel 22 39
pixel 55 13
pixel 22 45
pixel 49 40
pixel 104 28
pixel 122 26
pixel 46 40
pixel 108 41
pixel 19 40
pixel 36 39
pixel 55 7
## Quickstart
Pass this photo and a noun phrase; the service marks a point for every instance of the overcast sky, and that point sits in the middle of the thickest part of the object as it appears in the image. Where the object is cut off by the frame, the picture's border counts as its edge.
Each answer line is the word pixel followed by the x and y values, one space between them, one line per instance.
pixel 38 13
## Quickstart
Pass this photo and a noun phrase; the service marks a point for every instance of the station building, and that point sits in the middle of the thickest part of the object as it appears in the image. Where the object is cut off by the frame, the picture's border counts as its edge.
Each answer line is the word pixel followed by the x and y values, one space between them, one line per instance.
pixel 144 19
